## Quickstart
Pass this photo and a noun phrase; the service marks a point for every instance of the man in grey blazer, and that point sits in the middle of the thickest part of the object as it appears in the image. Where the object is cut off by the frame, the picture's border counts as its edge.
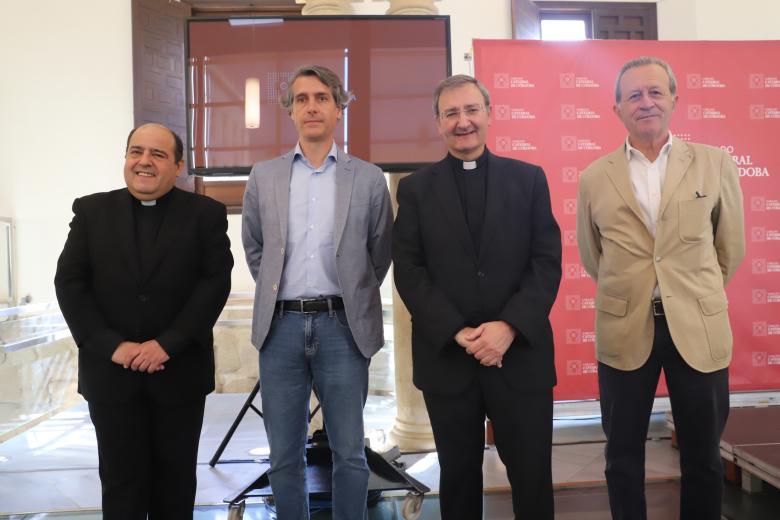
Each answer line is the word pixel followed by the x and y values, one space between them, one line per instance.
pixel 316 230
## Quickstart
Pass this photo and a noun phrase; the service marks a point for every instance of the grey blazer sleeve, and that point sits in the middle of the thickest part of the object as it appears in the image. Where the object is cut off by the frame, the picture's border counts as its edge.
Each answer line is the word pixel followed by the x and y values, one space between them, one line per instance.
pixel 381 226
pixel 251 227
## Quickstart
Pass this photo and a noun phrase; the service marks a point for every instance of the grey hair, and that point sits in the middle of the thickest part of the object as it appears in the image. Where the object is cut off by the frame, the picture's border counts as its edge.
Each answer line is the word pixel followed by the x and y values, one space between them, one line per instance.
pixel 330 79
pixel 458 80
pixel 641 62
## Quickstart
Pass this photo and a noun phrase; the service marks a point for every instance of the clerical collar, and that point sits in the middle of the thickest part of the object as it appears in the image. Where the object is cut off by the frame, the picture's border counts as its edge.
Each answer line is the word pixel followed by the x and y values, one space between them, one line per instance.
pixel 460 165
pixel 152 203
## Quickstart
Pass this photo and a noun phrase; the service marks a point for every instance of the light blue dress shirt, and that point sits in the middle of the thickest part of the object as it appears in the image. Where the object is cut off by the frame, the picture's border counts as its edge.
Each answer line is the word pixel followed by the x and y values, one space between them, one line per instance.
pixel 310 259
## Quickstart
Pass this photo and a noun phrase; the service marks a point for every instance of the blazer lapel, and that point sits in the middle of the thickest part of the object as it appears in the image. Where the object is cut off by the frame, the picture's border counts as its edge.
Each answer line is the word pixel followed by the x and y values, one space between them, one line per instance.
pixel 125 226
pixel 345 175
pixel 679 159
pixel 281 184
pixel 618 172
pixel 447 193
pixel 493 203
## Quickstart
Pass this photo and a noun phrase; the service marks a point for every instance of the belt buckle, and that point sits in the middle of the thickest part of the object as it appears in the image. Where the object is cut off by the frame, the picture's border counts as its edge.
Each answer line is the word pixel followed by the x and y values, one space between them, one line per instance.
pixel 303 303
pixel 658 308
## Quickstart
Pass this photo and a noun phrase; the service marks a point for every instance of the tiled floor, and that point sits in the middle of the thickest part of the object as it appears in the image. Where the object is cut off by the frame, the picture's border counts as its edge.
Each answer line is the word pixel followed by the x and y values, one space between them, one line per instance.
pixel 53 468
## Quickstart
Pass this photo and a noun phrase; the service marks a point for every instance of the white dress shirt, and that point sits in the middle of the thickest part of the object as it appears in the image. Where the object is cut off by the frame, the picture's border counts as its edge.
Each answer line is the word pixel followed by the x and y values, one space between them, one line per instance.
pixel 647 179
pixel 310 260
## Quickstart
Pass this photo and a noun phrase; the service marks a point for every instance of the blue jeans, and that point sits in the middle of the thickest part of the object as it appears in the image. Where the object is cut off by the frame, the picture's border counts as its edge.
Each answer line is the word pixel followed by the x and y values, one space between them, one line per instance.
pixel 317 348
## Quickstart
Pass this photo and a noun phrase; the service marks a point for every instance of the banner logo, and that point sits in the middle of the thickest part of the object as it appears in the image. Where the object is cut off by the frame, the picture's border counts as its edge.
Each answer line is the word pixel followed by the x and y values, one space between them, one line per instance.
pixel 501 80
pixel 570 174
pixel 568 80
pixel 574 367
pixel 569 143
pixel 573 336
pixel 502 112
pixel 573 302
pixel 758 234
pixel 572 271
pixel 759 296
pixel 759 328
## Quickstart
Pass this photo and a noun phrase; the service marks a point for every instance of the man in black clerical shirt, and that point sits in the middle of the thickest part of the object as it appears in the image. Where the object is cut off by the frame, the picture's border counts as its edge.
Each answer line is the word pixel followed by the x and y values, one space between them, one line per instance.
pixel 141 281
pixel 477 261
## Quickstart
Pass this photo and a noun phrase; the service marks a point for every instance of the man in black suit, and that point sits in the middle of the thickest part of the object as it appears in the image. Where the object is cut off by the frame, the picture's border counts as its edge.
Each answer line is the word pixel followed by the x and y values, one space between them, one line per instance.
pixel 141 281
pixel 477 256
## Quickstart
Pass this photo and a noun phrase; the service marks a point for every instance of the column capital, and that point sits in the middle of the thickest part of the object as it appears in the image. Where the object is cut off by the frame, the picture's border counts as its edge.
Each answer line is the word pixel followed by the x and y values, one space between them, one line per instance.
pixel 326 7
pixel 412 7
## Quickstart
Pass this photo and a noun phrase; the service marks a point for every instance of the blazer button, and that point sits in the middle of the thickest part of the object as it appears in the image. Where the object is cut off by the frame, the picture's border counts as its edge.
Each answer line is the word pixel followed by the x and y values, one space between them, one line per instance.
pixel 480 274
pixel 275 287
pixel 142 297
pixel 282 251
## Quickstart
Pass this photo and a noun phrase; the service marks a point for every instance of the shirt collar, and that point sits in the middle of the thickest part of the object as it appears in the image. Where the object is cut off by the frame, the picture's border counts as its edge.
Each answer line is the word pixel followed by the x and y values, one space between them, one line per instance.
pixel 332 154
pixel 665 149
pixel 151 203
pixel 468 166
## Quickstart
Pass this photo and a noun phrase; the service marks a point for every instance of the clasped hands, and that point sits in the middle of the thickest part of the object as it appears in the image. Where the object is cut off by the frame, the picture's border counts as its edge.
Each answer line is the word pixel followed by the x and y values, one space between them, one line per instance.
pixel 488 342
pixel 148 356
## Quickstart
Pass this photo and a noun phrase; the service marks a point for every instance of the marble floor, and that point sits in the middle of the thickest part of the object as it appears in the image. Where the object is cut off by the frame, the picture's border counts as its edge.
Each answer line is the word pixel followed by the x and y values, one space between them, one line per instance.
pixel 59 456
pixel 50 471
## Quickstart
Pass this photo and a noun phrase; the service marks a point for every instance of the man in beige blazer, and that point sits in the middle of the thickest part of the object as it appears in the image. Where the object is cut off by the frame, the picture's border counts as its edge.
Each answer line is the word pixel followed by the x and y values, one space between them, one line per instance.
pixel 660 230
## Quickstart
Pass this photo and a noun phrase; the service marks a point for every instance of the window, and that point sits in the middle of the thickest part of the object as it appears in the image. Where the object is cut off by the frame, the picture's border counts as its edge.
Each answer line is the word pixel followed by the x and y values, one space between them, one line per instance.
pixel 535 19
pixel 569 27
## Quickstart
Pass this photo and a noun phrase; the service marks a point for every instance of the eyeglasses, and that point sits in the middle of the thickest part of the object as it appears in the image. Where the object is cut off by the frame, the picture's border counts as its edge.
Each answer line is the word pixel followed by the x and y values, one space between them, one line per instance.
pixel 453 114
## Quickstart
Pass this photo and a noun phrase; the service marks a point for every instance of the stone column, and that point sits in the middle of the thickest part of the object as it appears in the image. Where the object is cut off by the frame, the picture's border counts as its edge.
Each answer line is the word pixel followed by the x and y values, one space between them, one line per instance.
pixel 412 428
pixel 412 7
pixel 325 7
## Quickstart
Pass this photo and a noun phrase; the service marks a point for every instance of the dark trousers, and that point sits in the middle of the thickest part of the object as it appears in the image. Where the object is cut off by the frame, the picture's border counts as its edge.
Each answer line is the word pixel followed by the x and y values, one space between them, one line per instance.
pixel 147 458
pixel 700 406
pixel 522 428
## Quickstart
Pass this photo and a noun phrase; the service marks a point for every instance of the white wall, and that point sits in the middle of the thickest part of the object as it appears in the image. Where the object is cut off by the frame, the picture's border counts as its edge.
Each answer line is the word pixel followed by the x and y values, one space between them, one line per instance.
pixel 743 20
pixel 66 99
pixel 714 19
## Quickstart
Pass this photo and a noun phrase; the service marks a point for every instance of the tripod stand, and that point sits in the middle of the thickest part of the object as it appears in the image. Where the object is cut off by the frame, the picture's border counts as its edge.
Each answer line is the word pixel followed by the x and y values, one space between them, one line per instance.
pixel 248 405
pixel 385 472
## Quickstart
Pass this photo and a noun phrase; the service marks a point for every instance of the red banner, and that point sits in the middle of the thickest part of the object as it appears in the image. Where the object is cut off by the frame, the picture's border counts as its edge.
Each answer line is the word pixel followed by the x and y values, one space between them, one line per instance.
pixel 552 105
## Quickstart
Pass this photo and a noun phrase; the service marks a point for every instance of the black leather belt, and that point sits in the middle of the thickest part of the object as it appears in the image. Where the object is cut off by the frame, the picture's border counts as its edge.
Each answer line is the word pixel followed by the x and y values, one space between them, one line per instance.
pixel 309 305
pixel 658 307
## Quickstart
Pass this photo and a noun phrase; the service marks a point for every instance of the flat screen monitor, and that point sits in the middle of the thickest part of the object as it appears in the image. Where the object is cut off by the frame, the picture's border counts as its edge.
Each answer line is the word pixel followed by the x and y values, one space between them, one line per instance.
pixel 390 63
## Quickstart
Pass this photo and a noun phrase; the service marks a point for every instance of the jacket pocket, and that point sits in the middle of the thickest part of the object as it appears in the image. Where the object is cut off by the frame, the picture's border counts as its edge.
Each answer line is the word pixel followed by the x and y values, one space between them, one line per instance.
pixel 714 309
pixel 694 219
pixel 713 303
pixel 614 305
pixel 613 329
